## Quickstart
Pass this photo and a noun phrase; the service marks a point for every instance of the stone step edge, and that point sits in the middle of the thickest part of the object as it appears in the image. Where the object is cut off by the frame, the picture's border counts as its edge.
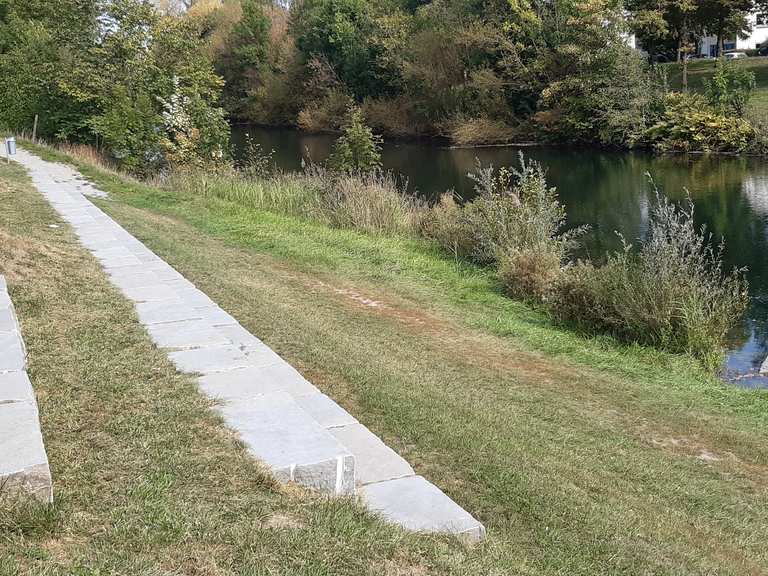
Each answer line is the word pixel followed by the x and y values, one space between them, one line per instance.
pixel 24 467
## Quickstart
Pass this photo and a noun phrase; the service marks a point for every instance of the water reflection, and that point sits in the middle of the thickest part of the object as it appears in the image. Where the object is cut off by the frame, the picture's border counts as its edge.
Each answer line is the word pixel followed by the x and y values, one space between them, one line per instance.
pixel 611 193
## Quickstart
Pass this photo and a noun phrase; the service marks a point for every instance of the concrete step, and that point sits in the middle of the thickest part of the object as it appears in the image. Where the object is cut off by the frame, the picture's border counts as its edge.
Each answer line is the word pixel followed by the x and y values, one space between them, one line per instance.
pixel 375 460
pixel 291 443
pixel 23 461
pixel 419 505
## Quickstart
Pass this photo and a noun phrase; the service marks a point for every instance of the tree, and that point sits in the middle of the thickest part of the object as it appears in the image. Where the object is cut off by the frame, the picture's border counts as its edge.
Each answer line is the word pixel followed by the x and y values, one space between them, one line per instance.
pixel 109 78
pixel 660 24
pixel 348 35
pixel 243 58
pixel 725 18
pixel 357 149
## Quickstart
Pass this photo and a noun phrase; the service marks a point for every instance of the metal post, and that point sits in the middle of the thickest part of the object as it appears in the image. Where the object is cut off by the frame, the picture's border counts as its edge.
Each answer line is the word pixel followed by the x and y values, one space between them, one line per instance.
pixel 34 131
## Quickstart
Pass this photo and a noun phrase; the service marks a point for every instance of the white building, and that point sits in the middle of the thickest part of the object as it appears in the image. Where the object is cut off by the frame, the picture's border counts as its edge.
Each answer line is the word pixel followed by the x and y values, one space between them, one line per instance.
pixel 758 35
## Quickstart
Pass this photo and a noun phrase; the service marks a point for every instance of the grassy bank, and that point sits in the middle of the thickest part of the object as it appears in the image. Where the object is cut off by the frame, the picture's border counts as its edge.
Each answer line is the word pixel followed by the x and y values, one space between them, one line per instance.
pixel 581 456
pixel 701 70
pixel 146 479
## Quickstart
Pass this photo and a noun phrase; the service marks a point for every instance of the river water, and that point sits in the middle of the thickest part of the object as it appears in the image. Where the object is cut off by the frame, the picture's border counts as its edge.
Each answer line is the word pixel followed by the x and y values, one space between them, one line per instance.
pixel 608 191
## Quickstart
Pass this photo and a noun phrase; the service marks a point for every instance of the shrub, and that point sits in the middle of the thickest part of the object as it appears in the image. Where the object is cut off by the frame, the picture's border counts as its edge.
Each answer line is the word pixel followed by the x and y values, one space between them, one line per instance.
pixel 516 210
pixel 445 224
pixel 256 162
pixel 688 124
pixel 357 149
pixel 671 292
pixel 530 273
pixel 483 130
pixel 729 89
pixel 394 117
pixel 516 220
pixel 326 114
pixel 130 130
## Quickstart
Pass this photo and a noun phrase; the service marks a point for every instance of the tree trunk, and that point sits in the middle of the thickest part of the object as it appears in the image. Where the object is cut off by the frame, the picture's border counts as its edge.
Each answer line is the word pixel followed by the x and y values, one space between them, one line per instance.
pixel 720 39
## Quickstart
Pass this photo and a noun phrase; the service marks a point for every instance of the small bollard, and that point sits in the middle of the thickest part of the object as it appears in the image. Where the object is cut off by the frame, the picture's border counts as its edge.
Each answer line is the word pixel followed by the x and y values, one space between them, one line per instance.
pixel 10 148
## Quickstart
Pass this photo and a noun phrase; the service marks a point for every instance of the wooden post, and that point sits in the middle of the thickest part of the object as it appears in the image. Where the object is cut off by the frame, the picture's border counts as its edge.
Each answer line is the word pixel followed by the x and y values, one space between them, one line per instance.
pixel 34 131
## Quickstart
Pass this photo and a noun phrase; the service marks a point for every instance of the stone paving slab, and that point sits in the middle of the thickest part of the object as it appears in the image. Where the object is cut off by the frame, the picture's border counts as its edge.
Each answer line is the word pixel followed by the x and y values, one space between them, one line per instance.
pixel 194 297
pixel 164 313
pixel 419 505
pixel 209 360
pixel 151 293
pixel 23 461
pixel 251 382
pixel 7 320
pixel 239 335
pixel 12 355
pixel 327 413
pixel 5 299
pixel 15 387
pixel 277 431
pixel 186 335
pixel 130 279
pixel 284 420
pixel 375 460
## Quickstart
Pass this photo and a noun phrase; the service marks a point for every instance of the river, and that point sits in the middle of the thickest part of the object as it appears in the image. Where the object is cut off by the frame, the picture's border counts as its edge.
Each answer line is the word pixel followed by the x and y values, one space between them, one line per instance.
pixel 610 192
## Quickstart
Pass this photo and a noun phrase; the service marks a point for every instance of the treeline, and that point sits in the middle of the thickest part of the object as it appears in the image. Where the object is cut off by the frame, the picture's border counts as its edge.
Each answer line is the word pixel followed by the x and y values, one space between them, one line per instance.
pixel 474 71
pixel 153 84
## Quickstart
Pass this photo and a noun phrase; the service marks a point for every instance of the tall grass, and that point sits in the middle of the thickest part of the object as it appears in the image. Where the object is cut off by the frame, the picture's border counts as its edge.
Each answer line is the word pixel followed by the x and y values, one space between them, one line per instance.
pixel 290 194
pixel 375 202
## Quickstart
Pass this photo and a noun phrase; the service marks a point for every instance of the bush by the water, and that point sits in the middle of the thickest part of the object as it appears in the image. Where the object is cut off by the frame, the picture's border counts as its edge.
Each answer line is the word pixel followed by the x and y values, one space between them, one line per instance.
pixel 671 292
pixel 516 221
pixel 358 149
pixel 689 124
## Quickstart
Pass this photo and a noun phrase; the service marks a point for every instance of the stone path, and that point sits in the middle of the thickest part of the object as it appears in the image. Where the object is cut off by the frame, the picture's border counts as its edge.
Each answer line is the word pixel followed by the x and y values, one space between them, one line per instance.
pixel 23 461
pixel 284 420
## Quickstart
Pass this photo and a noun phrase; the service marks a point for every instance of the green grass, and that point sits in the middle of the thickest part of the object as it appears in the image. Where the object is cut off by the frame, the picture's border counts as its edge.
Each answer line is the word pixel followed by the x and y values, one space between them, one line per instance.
pixel 700 70
pixel 147 481
pixel 581 456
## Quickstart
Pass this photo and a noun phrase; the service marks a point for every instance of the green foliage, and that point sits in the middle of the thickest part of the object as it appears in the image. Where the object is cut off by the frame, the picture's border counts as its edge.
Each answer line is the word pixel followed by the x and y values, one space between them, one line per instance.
pixel 130 129
pixel 137 82
pixel 671 292
pixel 688 124
pixel 730 87
pixel 244 56
pixel 608 92
pixel 358 149
pixel 516 221
pixel 347 33
pixel 473 71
